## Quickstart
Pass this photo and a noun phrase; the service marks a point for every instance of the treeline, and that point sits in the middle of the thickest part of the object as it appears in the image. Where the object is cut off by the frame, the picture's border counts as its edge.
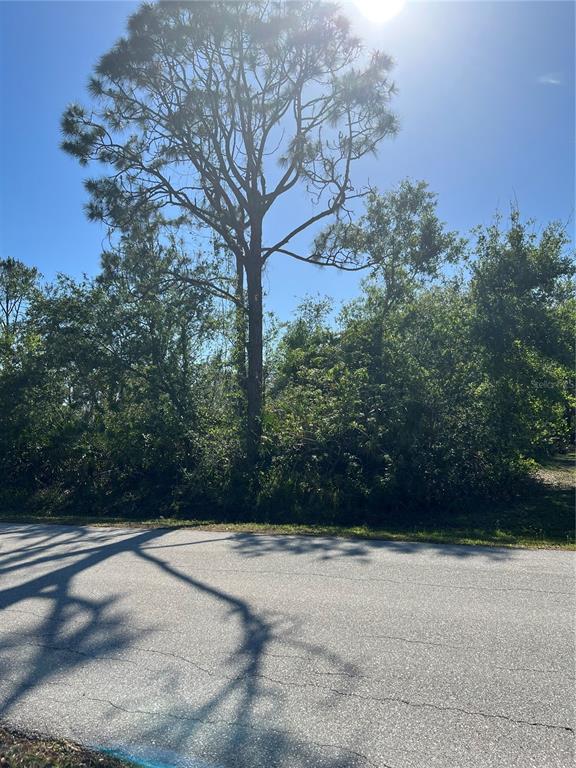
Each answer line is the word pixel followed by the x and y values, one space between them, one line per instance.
pixel 157 387
pixel 437 387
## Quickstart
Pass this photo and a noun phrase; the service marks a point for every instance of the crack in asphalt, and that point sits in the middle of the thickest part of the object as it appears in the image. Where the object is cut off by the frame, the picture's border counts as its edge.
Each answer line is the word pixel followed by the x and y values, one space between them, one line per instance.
pixel 472 713
pixel 418 642
pixel 539 671
pixel 136 626
pixel 294 684
pixel 229 724
pixel 92 655
pixel 417 705
pixel 404 582
pixel 212 673
pixel 177 656
pixel 21 610
pixel 373 690
pixel 86 654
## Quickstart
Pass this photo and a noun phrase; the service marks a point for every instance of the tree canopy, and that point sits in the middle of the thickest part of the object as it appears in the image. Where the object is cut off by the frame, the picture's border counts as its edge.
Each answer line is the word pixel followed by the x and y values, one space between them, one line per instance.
pixel 160 386
pixel 213 112
pixel 121 393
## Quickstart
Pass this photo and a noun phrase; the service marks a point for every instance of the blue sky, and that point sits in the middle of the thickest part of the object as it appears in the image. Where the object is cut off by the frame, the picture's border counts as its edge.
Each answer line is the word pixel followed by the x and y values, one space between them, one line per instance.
pixel 486 108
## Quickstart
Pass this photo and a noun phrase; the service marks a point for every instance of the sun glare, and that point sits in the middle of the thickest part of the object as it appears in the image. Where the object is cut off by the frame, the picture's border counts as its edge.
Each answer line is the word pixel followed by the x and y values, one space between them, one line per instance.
pixel 379 11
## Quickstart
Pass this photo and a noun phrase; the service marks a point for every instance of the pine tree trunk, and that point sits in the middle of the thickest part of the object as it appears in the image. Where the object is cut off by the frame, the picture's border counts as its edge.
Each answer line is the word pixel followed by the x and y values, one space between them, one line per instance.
pixel 240 336
pixel 255 357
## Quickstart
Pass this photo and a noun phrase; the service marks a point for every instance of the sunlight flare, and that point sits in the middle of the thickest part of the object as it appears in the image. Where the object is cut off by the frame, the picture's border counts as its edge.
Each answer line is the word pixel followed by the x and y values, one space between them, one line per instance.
pixel 380 11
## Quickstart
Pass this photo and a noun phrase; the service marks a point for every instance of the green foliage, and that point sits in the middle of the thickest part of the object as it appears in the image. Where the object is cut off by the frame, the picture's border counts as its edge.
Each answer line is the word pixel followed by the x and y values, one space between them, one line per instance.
pixel 430 394
pixel 523 325
pixel 17 287
pixel 436 389
pixel 399 236
pixel 210 114
pixel 152 390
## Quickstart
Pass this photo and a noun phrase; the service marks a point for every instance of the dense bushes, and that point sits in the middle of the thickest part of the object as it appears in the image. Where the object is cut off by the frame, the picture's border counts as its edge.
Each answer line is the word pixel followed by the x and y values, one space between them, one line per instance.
pixel 439 401
pixel 434 389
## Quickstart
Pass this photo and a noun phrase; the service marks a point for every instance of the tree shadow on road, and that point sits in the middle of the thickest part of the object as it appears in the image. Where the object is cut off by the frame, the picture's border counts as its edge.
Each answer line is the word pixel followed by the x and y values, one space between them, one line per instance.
pixel 238 738
pixel 329 548
pixel 74 631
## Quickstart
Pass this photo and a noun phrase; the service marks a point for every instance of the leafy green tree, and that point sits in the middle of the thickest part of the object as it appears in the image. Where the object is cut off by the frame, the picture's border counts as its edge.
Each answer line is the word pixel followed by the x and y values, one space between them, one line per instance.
pixel 131 347
pixel 195 101
pixel 408 247
pixel 431 396
pixel 28 393
pixel 524 318
pixel 401 239
pixel 17 286
pixel 351 403
pixel 433 390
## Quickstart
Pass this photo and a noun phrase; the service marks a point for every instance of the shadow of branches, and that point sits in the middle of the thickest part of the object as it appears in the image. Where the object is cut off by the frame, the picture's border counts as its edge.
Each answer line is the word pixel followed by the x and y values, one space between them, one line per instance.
pixel 329 548
pixel 76 628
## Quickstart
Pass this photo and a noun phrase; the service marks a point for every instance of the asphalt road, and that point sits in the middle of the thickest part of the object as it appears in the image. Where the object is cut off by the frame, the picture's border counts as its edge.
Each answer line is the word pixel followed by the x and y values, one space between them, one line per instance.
pixel 215 650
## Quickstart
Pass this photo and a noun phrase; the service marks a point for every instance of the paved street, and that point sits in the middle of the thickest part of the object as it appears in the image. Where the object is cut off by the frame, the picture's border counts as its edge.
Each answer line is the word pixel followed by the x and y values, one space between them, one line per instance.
pixel 216 650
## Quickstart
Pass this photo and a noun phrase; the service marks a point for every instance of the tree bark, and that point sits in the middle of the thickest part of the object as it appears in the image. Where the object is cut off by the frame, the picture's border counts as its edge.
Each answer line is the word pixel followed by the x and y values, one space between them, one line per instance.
pixel 255 357
pixel 240 340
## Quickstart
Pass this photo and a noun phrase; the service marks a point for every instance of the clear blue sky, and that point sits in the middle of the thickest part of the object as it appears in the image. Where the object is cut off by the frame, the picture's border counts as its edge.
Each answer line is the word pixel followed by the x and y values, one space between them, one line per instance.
pixel 486 107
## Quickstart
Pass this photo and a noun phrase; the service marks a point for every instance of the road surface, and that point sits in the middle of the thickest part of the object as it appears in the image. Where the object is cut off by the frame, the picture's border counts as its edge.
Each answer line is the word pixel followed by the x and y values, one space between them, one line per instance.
pixel 216 650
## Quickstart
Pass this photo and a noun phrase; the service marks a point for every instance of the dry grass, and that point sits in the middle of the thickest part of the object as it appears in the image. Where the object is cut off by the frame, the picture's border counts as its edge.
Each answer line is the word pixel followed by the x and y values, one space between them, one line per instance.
pixel 559 472
pixel 31 750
